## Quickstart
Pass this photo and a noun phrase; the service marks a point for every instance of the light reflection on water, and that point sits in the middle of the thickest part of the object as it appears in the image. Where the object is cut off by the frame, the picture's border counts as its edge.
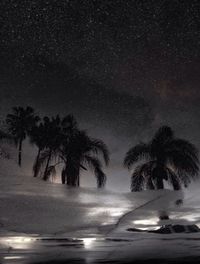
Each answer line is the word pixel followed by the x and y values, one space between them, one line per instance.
pixel 147 222
pixel 110 212
pixel 190 217
pixel 21 242
pixel 88 242
pixel 89 248
pixel 19 249
pixel 17 242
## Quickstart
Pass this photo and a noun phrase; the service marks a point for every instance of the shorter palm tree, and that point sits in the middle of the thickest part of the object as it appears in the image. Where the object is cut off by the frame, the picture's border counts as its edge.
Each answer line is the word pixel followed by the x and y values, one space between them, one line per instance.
pixel 81 152
pixel 20 123
pixel 165 158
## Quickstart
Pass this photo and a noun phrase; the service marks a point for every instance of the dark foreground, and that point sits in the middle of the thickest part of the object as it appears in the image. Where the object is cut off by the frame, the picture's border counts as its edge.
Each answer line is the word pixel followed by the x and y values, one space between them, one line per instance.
pixel 188 260
pixel 137 248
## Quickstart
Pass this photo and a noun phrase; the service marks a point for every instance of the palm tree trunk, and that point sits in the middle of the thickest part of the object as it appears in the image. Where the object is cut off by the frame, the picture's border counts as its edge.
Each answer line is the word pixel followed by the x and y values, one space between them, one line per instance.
pixel 158 175
pixel 162 214
pixel 159 183
pixel 36 163
pixel 20 153
pixel 78 179
pixel 159 172
pixel 73 175
pixel 63 176
pixel 75 178
pixel 150 185
pixel 45 176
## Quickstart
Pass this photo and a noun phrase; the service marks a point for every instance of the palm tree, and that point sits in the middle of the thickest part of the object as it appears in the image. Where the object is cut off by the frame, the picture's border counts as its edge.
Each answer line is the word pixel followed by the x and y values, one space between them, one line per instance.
pixel 20 123
pixel 81 152
pixel 52 134
pixel 53 140
pixel 75 150
pixel 165 158
pixel 39 137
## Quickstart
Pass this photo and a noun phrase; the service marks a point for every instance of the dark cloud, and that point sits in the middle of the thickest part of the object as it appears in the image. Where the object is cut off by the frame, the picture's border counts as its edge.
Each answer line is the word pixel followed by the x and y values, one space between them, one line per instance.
pixel 54 88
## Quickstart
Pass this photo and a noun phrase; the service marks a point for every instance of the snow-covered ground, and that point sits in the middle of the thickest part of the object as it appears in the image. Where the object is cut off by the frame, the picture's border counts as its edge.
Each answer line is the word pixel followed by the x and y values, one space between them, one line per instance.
pixel 90 224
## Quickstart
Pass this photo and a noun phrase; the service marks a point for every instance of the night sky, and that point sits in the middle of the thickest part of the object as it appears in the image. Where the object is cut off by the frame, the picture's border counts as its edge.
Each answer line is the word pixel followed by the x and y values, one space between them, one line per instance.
pixel 123 68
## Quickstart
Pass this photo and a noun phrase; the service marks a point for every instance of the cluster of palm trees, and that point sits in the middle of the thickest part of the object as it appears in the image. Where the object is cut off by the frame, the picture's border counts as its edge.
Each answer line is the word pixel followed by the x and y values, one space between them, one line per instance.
pixel 60 142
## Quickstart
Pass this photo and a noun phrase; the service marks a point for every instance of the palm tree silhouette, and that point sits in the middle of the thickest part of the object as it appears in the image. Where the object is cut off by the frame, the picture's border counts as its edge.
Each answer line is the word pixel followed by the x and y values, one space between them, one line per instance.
pixel 51 135
pixel 20 123
pixel 81 152
pixel 74 149
pixel 39 137
pixel 166 158
pixel 54 140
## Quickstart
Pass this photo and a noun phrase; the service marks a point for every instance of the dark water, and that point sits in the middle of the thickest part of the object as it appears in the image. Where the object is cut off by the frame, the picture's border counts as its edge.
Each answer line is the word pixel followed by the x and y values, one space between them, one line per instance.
pixel 134 261
pixel 141 250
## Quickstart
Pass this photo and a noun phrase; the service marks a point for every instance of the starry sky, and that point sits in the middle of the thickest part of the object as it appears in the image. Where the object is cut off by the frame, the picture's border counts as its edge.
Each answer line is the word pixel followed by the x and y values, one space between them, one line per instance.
pixel 122 67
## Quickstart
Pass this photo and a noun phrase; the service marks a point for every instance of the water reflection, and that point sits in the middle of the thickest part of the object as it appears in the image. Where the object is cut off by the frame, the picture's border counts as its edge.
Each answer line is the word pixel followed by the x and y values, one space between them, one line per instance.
pixel 88 242
pixel 17 242
pixel 150 221
pixel 146 224
pixel 109 211
pixel 93 250
pixel 190 217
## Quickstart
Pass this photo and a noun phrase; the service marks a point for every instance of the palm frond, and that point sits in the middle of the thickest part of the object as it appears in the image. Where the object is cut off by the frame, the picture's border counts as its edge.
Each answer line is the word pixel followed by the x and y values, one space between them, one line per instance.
pixel 38 165
pixel 140 151
pixel 163 135
pixel 101 177
pixel 150 184
pixel 142 175
pixel 137 180
pixel 98 146
pixel 185 178
pixel 185 147
pixel 51 172
pixel 183 163
pixel 96 165
pixel 174 179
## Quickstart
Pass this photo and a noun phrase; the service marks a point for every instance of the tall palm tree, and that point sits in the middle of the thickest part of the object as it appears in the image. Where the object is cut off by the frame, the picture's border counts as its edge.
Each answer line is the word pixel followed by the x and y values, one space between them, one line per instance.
pixel 39 137
pixel 20 123
pixel 165 157
pixel 81 152
pixel 53 140
pixel 52 135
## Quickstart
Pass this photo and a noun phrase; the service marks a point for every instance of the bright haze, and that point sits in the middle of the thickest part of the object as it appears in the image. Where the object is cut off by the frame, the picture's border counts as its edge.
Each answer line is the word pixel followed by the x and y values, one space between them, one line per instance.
pixel 123 68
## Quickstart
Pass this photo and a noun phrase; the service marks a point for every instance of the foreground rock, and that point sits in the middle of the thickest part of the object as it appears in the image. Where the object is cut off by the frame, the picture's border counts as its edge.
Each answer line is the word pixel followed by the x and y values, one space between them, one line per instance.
pixel 170 229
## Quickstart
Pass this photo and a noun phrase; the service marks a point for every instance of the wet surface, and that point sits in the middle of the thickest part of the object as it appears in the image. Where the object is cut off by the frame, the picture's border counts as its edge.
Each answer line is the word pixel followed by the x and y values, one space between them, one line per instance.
pixel 139 248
